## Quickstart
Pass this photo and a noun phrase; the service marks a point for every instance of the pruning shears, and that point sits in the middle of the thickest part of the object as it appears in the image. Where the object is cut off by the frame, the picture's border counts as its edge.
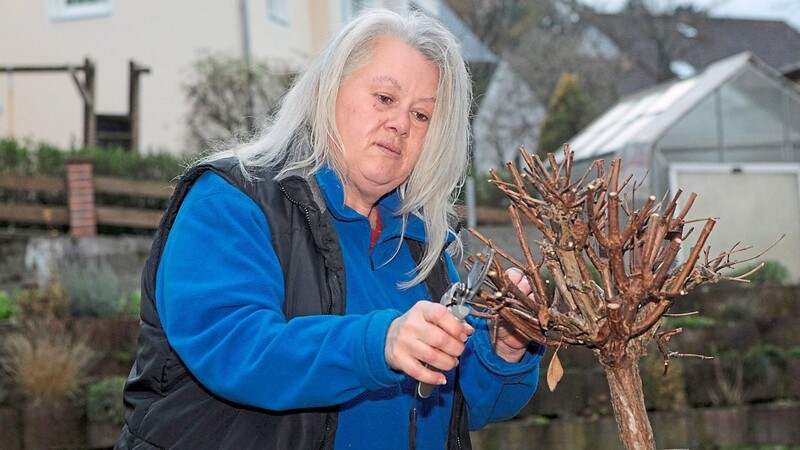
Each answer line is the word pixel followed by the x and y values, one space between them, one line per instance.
pixel 457 297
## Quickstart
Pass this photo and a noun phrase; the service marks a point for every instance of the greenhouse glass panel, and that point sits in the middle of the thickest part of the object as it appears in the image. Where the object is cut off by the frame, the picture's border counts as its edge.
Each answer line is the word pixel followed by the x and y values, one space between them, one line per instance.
pixel 792 102
pixel 751 111
pixel 696 129
pixel 760 153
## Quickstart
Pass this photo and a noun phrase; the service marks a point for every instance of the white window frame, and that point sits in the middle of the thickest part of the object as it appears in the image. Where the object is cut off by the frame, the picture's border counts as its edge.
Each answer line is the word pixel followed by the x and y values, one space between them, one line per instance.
pixel 62 10
pixel 279 12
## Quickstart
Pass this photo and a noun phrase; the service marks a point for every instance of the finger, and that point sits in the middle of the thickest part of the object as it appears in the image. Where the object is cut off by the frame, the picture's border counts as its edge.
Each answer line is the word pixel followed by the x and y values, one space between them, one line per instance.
pixel 514 274
pixel 442 318
pixel 435 357
pixel 518 277
pixel 411 355
pixel 437 348
pixel 426 374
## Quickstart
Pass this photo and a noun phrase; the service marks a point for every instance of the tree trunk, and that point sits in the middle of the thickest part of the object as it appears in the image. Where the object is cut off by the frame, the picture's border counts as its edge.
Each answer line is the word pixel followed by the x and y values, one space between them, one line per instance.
pixel 627 398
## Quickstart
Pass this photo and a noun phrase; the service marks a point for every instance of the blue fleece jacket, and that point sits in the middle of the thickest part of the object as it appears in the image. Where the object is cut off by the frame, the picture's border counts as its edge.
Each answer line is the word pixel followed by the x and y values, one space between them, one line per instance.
pixel 219 292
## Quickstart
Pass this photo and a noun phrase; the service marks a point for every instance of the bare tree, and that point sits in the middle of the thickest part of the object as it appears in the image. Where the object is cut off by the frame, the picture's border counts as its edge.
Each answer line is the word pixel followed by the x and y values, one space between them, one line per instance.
pixel 588 227
pixel 536 41
pixel 545 54
pixel 656 33
pixel 508 117
pixel 230 96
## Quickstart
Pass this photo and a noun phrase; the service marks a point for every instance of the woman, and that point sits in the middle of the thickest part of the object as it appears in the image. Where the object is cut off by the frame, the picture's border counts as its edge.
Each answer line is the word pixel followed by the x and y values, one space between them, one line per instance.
pixel 285 301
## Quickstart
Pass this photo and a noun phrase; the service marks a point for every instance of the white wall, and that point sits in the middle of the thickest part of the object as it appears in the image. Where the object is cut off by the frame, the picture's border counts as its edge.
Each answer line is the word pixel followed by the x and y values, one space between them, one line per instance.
pixel 166 36
pixel 755 204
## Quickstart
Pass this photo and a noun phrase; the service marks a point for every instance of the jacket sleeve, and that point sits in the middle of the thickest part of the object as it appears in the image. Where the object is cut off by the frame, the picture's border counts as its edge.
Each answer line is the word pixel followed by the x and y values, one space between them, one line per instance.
pixel 219 294
pixel 495 389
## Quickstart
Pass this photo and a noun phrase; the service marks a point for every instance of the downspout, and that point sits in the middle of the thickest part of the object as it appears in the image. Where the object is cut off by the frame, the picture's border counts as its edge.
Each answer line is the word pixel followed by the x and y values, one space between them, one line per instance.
pixel 246 55
pixel 244 14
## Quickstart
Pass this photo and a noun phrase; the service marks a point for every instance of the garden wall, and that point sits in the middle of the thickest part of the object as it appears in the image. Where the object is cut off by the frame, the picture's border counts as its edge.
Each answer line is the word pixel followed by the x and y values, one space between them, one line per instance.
pixel 33 259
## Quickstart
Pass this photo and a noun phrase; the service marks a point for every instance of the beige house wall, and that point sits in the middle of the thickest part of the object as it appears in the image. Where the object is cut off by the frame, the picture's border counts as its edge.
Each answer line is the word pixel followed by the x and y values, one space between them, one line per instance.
pixel 165 36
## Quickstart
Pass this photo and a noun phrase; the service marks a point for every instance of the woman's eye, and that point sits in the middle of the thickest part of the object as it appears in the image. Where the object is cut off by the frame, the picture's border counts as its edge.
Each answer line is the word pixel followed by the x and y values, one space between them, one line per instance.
pixel 384 98
pixel 420 116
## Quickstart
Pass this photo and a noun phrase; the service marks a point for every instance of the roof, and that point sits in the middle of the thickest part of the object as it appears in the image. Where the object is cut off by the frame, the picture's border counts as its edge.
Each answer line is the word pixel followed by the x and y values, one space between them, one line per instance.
pixel 644 117
pixel 475 51
pixel 792 71
pixel 698 40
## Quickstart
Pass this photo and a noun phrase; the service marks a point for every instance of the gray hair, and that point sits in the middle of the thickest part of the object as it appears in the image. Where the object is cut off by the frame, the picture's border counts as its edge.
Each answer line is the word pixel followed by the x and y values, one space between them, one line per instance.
pixel 307 114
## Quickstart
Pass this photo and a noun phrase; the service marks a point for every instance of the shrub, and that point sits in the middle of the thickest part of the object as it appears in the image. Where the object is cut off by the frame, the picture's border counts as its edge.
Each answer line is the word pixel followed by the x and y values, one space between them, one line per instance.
pixel 665 392
pixel 104 401
pixel 45 362
pixel 37 304
pixel 8 307
pixel 772 274
pixel 92 290
pixel 42 159
pixel 31 159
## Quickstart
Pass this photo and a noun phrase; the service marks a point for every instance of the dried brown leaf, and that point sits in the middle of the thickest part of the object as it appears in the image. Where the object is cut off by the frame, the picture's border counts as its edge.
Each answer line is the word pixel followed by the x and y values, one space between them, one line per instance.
pixel 554 372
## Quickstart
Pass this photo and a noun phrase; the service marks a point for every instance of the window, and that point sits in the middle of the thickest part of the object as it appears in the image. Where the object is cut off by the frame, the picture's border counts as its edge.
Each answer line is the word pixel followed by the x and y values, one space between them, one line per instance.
pixel 59 10
pixel 352 7
pixel 278 11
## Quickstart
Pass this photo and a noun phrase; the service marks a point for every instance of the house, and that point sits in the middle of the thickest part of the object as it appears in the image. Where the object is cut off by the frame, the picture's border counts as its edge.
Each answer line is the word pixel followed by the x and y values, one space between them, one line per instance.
pixel 684 43
pixel 731 134
pixel 64 63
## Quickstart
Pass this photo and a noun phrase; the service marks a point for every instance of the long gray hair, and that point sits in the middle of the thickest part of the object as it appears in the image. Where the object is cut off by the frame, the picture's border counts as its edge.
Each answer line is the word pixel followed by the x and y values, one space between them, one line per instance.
pixel 307 115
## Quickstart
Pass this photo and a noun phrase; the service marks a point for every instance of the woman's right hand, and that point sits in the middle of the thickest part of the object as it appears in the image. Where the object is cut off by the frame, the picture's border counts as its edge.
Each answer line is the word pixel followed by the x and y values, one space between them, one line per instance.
pixel 427 334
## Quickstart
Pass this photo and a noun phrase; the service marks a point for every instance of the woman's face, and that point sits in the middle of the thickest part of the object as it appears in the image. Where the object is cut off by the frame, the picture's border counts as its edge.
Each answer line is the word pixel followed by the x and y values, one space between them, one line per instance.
pixel 382 114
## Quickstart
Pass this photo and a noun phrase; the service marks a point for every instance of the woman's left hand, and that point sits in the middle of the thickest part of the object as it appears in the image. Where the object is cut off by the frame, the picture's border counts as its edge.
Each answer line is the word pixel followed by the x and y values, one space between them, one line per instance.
pixel 510 343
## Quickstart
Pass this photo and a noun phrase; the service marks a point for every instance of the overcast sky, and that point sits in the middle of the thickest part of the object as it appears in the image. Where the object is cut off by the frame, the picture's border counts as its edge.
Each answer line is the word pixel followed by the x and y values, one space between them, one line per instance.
pixel 786 10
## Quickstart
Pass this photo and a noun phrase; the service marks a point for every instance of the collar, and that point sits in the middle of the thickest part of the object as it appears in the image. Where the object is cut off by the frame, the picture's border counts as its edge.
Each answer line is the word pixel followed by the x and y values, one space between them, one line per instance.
pixel 388 206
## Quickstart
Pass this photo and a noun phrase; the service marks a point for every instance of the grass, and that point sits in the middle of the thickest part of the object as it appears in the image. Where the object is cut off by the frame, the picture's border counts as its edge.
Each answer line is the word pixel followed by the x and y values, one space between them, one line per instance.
pixel 46 363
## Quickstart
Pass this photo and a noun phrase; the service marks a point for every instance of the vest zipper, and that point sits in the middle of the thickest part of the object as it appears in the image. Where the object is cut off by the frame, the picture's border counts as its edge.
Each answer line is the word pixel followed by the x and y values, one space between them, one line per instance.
pixel 327 430
pixel 306 213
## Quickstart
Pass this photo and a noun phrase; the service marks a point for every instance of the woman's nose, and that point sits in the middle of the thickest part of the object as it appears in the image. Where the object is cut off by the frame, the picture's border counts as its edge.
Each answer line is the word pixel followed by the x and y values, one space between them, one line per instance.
pixel 399 122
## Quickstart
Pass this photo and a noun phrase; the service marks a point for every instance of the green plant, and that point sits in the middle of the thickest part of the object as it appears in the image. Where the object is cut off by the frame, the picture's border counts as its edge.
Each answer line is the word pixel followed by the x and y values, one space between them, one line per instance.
pixel 27 158
pixel 568 112
pixel 694 321
pixel 45 362
pixel 772 273
pixel 729 376
pixel 31 159
pixel 104 400
pixel 129 303
pixel 8 307
pixel 664 391
pixel 92 289
pixel 42 304
pixel 738 311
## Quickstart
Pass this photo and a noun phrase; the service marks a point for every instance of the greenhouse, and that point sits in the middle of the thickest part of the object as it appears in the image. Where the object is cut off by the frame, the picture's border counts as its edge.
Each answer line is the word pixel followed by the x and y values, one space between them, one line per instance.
pixel 731 134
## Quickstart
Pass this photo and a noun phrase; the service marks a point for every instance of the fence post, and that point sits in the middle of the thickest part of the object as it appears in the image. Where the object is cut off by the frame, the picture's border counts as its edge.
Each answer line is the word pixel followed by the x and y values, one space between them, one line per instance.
pixel 80 198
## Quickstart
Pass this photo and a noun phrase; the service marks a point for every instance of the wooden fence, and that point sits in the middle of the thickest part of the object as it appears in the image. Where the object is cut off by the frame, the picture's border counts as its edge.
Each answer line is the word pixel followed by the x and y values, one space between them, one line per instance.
pixel 75 207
